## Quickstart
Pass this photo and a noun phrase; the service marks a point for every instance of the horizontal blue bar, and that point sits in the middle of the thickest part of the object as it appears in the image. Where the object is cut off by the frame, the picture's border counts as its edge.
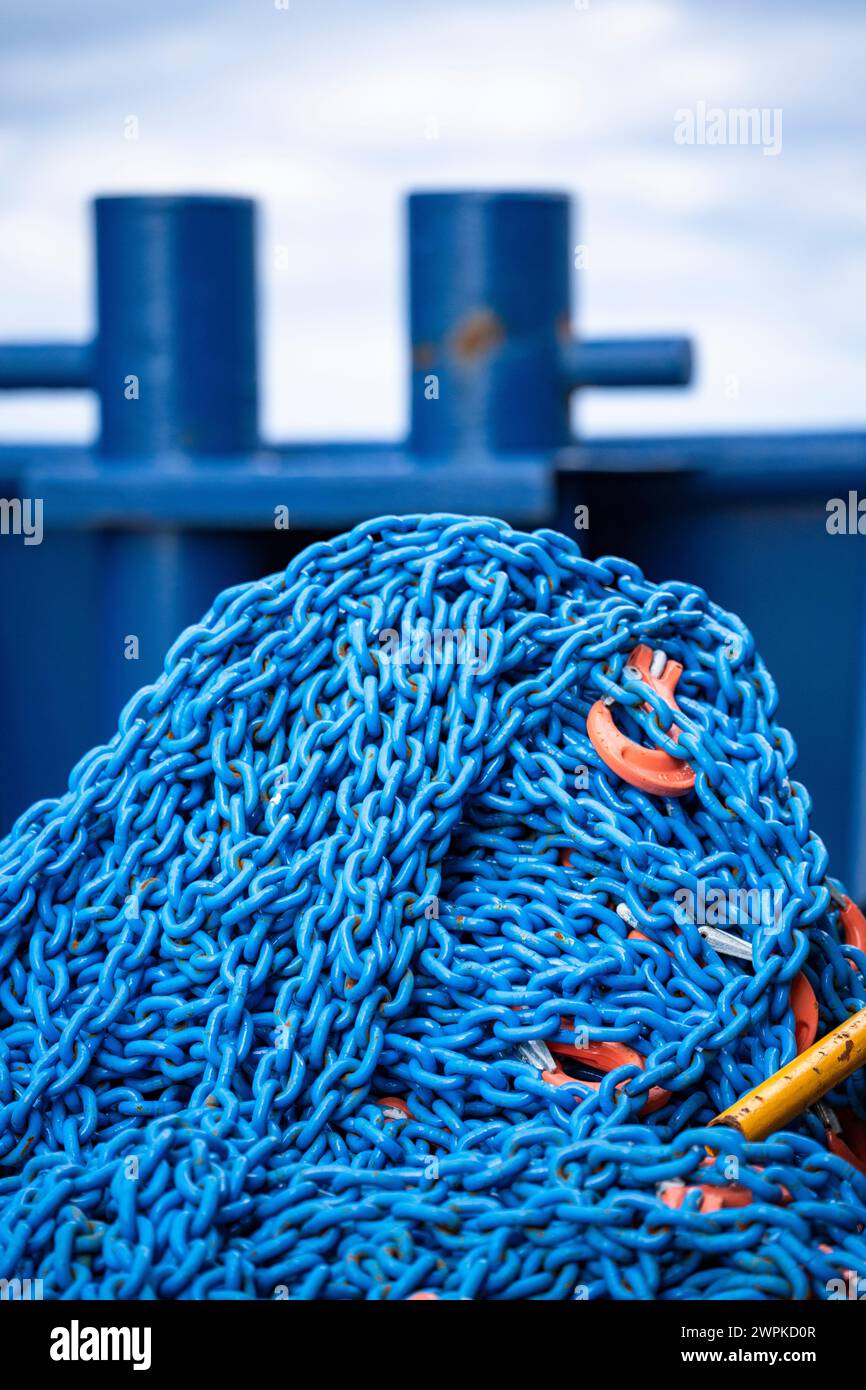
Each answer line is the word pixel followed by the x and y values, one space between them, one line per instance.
pixel 45 366
pixel 322 486
pixel 773 464
pixel 627 362
pixel 326 484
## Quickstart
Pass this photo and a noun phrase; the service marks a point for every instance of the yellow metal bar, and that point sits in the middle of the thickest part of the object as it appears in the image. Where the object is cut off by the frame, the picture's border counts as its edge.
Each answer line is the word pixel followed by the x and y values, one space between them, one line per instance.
pixel 787 1093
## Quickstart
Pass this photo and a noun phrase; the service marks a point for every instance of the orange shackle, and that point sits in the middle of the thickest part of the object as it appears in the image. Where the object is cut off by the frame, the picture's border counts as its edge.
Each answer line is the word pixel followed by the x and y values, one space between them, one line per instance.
pixel 648 769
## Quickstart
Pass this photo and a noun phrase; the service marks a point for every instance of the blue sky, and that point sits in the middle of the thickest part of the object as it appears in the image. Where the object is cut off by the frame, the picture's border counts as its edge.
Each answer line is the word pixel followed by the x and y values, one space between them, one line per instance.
pixel 324 112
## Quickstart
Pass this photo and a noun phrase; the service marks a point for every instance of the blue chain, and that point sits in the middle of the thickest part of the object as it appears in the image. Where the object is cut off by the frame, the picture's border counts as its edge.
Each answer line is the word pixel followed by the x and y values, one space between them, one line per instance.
pixel 348 969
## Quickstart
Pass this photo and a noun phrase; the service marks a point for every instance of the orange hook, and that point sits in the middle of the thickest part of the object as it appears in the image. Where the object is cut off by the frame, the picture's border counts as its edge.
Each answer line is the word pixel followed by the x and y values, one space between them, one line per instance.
pixel 851 920
pixel 713 1197
pixel 805 1009
pixel 394 1108
pixel 649 769
pixel 604 1057
pixel 846 1136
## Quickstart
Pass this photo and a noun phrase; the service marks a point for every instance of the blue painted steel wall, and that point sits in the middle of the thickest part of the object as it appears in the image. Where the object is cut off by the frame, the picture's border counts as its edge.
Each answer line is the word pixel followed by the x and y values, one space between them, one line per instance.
pixel 177 498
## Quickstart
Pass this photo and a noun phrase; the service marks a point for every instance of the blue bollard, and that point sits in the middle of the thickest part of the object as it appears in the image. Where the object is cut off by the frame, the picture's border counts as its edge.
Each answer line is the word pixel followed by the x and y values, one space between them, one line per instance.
pixel 176 373
pixel 175 355
pixel 488 310
pixel 494 358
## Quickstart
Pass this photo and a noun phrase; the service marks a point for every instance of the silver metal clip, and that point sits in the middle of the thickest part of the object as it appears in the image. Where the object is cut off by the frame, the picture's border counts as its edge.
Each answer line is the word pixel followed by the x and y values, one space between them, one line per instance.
pixel 726 943
pixel 658 663
pixel 536 1054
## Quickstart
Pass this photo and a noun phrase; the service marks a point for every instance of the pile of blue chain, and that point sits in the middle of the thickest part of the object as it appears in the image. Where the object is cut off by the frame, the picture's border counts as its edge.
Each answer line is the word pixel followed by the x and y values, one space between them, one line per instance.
pixel 280 970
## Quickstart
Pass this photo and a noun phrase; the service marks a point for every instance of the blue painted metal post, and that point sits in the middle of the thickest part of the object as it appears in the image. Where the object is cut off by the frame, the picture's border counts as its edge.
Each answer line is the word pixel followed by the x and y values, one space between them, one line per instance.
pixel 494 358
pixel 488 311
pixel 175 356
pixel 175 368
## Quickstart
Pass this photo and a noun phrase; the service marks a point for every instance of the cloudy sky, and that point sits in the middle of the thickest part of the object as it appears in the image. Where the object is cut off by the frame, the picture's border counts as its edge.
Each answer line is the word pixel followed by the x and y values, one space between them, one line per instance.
pixel 324 111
